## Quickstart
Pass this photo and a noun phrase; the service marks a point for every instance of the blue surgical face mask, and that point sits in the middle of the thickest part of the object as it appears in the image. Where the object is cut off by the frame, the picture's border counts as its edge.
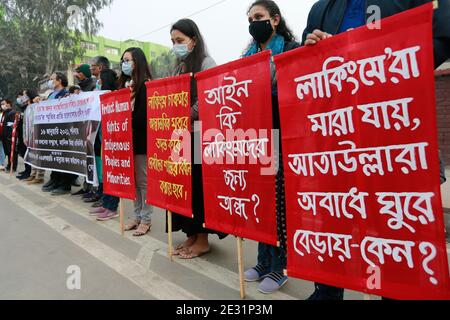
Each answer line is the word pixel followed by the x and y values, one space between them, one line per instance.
pixel 51 85
pixel 127 68
pixel 181 50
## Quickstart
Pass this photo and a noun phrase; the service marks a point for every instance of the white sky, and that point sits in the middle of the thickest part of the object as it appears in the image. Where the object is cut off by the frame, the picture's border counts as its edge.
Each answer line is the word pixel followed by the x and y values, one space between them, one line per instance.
pixel 224 27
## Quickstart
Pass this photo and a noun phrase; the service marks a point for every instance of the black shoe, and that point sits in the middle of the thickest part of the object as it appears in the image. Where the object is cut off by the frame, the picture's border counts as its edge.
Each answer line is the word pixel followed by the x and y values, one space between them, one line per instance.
pixel 80 192
pixel 95 198
pixel 98 204
pixel 50 187
pixel 60 191
pixel 23 177
pixel 88 195
pixel 49 183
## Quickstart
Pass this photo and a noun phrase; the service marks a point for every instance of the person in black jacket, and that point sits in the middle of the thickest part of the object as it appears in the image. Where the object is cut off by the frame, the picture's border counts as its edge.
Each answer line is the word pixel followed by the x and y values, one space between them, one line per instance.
pixel 270 31
pixel 330 17
pixel 84 77
pixel 8 123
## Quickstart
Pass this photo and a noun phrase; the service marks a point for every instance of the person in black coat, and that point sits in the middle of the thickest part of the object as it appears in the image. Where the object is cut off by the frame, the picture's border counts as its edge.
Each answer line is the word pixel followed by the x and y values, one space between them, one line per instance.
pixel 330 17
pixel 327 17
pixel 8 124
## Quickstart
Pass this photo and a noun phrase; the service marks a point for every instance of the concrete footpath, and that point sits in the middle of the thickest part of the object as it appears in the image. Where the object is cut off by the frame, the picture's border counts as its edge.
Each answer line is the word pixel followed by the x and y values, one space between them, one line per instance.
pixel 43 237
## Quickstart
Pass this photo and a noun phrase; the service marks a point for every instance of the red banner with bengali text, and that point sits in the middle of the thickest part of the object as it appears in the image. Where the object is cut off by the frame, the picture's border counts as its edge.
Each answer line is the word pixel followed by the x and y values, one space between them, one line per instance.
pixel 169 144
pixel 364 208
pixel 117 145
pixel 235 104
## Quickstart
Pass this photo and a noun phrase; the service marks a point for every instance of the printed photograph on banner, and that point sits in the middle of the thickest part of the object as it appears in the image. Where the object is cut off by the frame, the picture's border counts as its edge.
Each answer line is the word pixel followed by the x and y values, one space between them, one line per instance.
pixel 362 168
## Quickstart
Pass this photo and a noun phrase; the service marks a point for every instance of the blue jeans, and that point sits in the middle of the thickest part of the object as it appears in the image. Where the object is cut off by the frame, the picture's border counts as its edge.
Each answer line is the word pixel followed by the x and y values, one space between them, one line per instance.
pixel 2 155
pixel 271 258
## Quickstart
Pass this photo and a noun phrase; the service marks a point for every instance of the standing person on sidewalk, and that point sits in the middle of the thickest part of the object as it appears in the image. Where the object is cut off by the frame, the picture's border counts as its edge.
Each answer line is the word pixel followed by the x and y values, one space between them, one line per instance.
pixel 110 204
pixel 329 17
pixel 37 175
pixel 98 64
pixel 84 77
pixel 27 100
pixel 58 183
pixel 192 57
pixel 135 72
pixel 270 31
pixel 2 151
pixel 8 124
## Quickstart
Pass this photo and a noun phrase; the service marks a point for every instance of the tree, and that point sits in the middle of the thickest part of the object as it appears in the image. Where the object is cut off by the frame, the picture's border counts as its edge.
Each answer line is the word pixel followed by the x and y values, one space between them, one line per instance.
pixel 163 65
pixel 46 34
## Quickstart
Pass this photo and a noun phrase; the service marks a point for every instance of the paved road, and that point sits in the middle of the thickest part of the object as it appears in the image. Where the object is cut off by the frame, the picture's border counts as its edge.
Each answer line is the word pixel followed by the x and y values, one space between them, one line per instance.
pixel 42 236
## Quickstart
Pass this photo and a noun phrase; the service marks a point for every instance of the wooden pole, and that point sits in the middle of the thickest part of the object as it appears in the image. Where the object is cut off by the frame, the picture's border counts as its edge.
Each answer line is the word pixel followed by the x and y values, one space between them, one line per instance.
pixel 169 230
pixel 241 268
pixel 12 165
pixel 122 217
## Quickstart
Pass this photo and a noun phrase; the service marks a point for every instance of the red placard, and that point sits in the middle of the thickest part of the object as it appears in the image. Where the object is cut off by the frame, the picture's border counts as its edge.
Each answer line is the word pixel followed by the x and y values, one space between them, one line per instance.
pixel 14 138
pixel 169 144
pixel 239 182
pixel 362 177
pixel 117 145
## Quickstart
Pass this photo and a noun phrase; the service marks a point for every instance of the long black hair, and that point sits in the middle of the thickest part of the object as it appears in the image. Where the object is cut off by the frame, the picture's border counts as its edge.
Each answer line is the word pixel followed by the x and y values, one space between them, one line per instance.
pixel 282 28
pixel 31 94
pixel 195 59
pixel 141 71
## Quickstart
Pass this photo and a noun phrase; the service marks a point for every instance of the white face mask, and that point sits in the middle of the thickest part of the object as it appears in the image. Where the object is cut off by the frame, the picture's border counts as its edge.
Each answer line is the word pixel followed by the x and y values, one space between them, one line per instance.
pixel 51 85
pixel 182 50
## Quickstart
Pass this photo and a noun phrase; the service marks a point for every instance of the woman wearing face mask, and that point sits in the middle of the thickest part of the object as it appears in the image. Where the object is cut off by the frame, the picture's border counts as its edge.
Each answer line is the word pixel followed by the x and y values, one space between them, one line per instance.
pixel 270 31
pixel 135 72
pixel 192 57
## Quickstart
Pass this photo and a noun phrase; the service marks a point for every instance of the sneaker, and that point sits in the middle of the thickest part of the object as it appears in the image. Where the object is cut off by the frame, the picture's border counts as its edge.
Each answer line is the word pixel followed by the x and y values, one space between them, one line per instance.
pixel 272 283
pixel 96 212
pixel 60 191
pixel 88 195
pixel 256 273
pixel 98 204
pixel 49 183
pixel 93 199
pixel 107 215
pixel 23 177
pixel 80 192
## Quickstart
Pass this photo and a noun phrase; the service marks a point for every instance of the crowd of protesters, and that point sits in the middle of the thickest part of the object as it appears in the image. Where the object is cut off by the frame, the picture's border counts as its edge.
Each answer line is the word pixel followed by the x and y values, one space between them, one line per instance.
pixel 269 30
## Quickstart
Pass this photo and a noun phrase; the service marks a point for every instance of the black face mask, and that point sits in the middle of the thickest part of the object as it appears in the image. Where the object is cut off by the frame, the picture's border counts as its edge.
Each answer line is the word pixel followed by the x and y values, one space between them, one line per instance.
pixel 261 31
